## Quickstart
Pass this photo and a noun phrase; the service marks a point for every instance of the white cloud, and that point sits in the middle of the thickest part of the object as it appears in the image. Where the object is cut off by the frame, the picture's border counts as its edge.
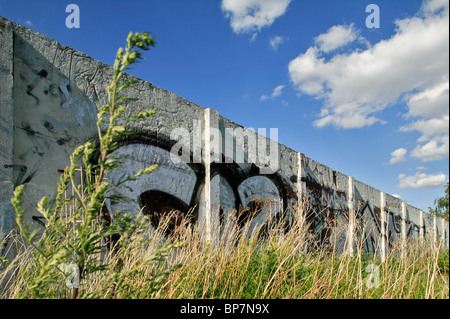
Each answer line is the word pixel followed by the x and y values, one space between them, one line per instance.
pixel 431 102
pixel 276 92
pixel 411 67
pixel 431 108
pixel 431 6
pixel 422 180
pixel 429 127
pixel 276 41
pixel 398 156
pixel 433 145
pixel 434 150
pixel 29 23
pixel 250 16
pixel 336 37
pixel 355 87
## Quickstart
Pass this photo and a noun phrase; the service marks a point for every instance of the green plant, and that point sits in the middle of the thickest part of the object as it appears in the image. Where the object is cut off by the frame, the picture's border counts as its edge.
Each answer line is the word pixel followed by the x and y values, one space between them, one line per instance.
pixel 74 233
pixel 4 261
pixel 442 206
pixel 289 267
pixel 443 261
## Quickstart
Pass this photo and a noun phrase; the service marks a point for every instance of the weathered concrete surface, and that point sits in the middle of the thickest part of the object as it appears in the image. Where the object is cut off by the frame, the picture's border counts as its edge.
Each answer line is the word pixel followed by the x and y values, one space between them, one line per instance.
pixel 50 106
pixel 7 249
pixel 6 131
pixel 51 116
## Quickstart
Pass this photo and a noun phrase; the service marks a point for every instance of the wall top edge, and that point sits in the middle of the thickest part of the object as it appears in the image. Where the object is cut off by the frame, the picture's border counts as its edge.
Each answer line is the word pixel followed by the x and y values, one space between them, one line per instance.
pixel 20 29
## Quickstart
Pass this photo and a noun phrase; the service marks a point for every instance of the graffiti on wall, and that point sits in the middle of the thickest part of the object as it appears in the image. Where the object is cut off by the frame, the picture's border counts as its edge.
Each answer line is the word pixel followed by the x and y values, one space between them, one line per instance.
pixel 81 106
pixel 370 230
pixel 327 207
pixel 51 117
pixel 6 222
pixel 177 186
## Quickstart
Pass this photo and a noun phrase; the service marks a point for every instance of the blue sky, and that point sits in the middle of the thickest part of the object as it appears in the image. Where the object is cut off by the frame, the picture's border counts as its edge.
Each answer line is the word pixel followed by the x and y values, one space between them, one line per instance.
pixel 369 102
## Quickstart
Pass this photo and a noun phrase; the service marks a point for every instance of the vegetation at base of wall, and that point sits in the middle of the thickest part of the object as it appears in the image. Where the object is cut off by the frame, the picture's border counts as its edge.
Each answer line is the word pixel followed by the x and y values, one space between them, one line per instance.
pixel 286 265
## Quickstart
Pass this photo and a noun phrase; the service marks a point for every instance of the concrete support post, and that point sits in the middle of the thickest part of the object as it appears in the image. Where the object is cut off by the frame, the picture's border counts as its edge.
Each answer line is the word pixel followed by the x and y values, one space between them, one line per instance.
pixel 403 224
pixel 351 216
pixel 435 235
pixel 383 226
pixel 208 215
pixel 301 191
pixel 444 233
pixel 422 228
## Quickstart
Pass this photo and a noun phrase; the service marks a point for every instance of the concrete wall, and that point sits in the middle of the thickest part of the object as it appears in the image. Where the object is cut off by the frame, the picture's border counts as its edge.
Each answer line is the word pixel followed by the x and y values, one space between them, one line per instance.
pixel 6 131
pixel 49 106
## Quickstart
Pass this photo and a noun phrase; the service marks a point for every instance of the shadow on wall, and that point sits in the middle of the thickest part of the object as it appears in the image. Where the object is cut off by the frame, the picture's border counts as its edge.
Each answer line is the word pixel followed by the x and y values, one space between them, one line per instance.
pixel 51 117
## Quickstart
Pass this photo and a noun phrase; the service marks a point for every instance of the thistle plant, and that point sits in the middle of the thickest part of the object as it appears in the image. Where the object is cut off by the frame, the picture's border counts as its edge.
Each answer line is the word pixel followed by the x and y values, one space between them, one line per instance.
pixel 74 233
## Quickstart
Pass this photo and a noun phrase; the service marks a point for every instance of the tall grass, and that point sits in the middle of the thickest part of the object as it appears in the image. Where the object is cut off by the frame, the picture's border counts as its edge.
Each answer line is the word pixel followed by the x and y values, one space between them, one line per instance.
pixel 288 265
pixel 277 264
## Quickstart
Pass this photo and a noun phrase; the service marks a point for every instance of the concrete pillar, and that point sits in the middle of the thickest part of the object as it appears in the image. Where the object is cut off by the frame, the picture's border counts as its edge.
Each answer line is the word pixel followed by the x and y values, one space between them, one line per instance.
pixel 435 235
pixel 208 215
pixel 301 190
pixel 403 225
pixel 444 233
pixel 351 216
pixel 6 131
pixel 422 228
pixel 383 248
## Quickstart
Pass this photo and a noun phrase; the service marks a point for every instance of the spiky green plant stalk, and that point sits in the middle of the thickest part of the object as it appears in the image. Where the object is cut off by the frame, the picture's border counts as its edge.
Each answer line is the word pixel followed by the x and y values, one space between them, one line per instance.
pixel 73 232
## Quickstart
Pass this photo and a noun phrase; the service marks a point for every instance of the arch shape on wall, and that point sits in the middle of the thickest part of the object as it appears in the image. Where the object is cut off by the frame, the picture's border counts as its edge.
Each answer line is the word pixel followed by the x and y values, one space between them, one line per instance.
pixel 262 198
pixel 225 199
pixel 182 182
pixel 159 206
pixel 175 179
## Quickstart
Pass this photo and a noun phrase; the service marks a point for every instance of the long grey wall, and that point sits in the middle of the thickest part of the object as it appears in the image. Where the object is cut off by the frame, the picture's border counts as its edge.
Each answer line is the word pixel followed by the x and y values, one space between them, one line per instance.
pixel 49 95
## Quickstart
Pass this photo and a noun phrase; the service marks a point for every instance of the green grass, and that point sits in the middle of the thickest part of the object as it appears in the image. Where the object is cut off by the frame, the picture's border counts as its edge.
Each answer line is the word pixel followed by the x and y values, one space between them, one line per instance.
pixel 280 266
